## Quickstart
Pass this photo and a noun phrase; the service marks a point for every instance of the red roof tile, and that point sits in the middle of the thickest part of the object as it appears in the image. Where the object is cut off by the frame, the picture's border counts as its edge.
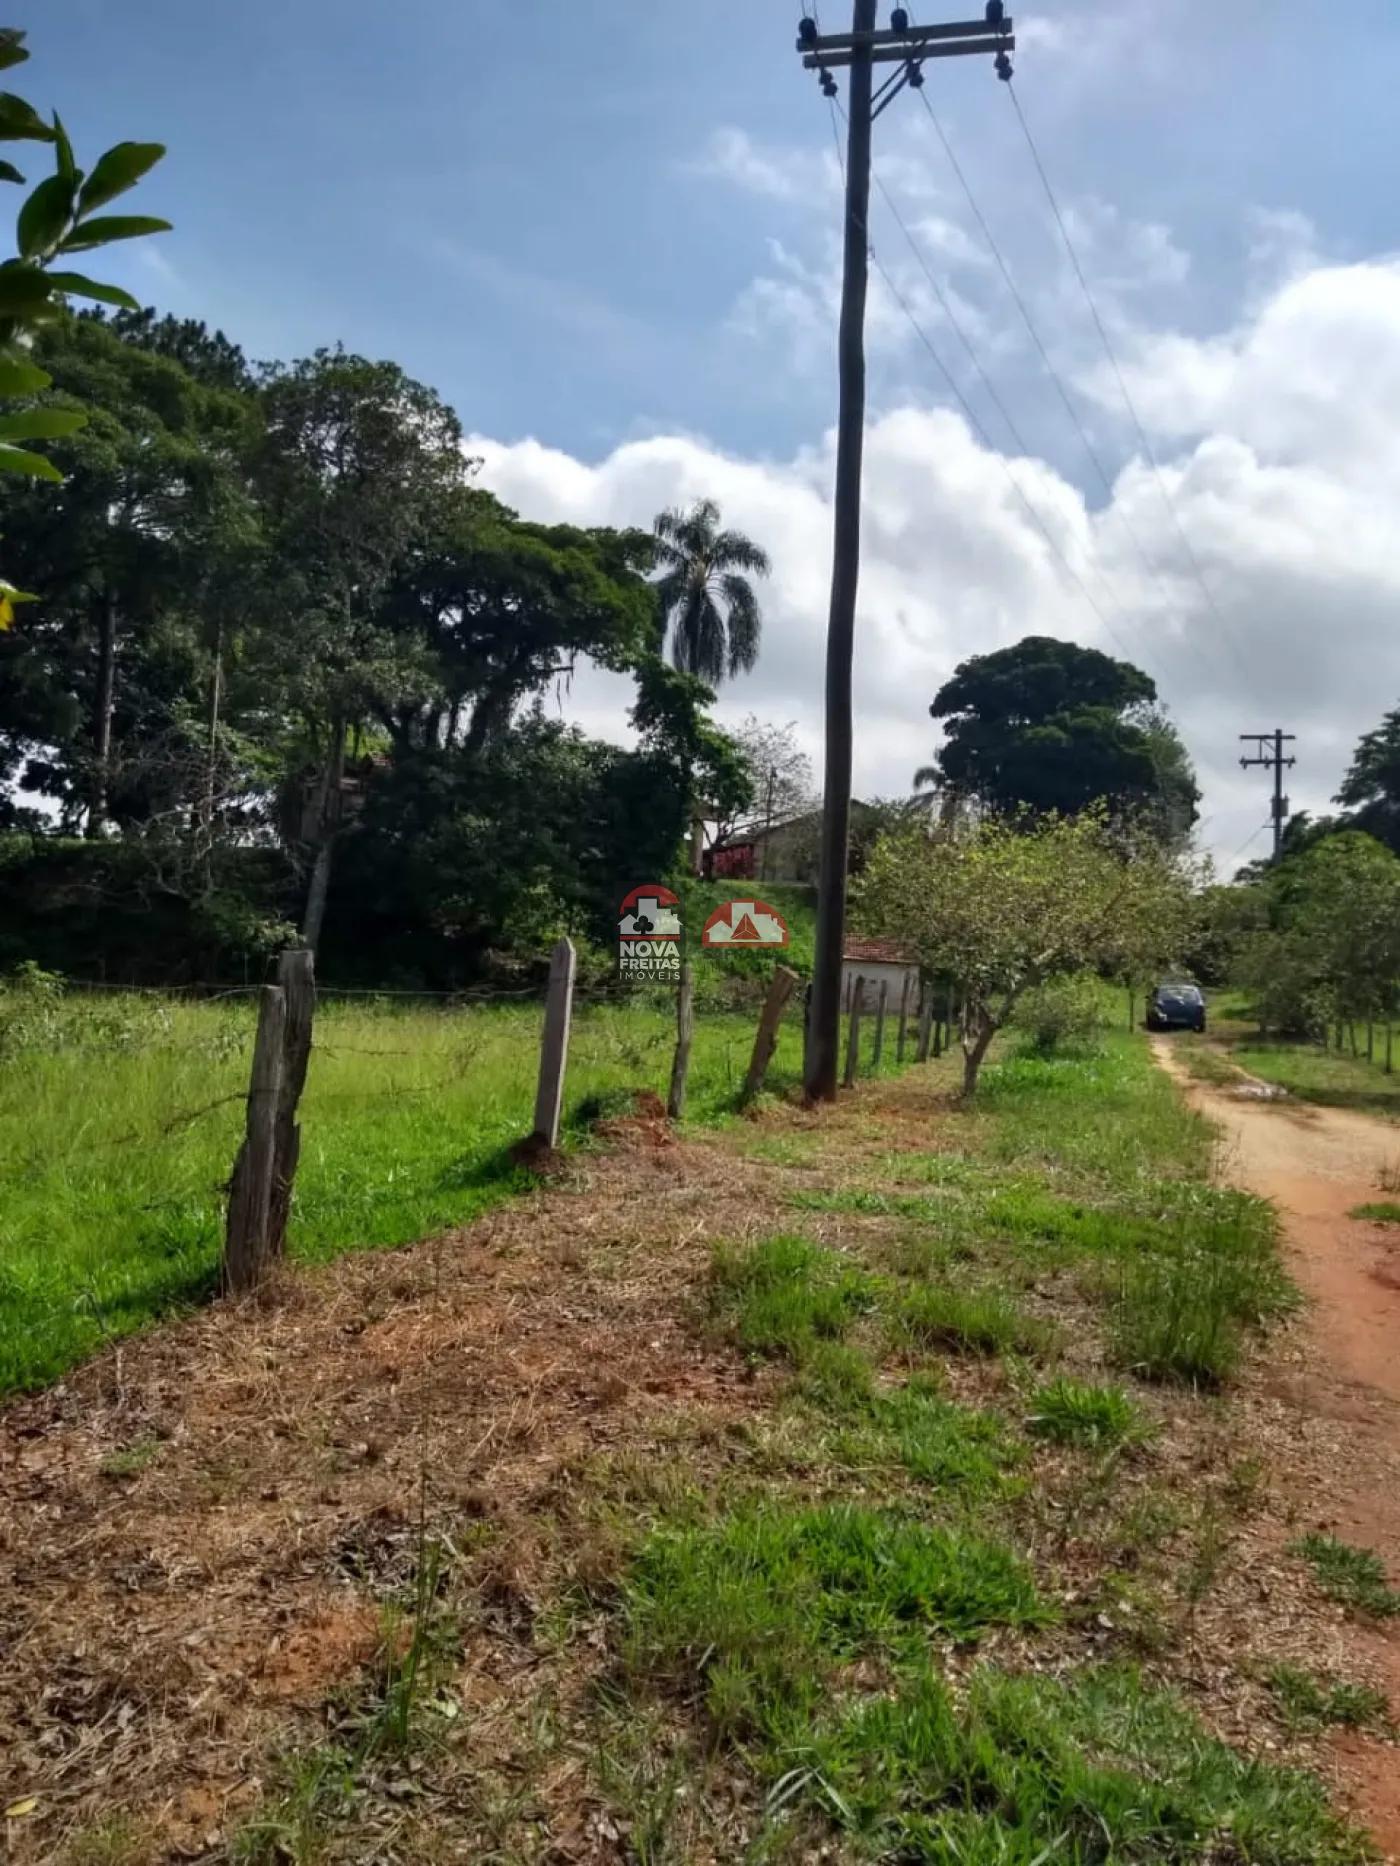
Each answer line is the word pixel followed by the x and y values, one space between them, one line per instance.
pixel 878 951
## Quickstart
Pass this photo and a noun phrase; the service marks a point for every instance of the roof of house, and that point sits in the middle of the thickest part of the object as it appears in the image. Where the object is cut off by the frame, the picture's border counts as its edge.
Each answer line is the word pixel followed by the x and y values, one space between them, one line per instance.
pixel 878 952
pixel 758 830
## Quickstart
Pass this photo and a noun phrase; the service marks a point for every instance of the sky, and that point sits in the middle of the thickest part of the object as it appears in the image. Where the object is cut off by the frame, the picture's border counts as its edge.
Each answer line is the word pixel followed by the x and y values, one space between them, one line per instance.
pixel 609 235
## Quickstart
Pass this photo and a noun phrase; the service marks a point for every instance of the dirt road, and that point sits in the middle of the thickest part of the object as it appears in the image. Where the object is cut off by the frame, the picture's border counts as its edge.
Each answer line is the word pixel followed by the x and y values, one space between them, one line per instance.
pixel 1317 1165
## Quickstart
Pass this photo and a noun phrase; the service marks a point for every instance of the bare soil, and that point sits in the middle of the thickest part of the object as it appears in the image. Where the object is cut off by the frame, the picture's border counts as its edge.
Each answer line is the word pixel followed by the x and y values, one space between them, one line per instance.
pixel 1318 1165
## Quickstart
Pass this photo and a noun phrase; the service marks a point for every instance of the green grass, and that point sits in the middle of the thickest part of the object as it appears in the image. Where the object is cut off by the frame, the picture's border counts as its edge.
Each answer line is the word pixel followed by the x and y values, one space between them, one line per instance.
pixel 1354 1577
pixel 120 1120
pixel 784 1294
pixel 1383 1212
pixel 1185 1308
pixel 968 1321
pixel 1072 1413
pixel 763 1607
pixel 1330 1078
pixel 1310 1704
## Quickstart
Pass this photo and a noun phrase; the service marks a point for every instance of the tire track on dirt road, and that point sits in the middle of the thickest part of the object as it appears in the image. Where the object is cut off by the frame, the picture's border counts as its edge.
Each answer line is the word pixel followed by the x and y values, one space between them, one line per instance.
pixel 1316 1165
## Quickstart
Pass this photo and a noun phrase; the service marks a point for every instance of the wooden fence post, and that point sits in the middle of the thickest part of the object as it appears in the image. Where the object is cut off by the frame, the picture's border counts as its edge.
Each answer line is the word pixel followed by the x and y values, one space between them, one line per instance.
pixel 853 1032
pixel 903 1017
pixel 246 1255
pixel 766 1038
pixel 1388 1037
pixel 296 977
pixel 685 1026
pixel 554 1052
pixel 928 1024
pixel 880 1004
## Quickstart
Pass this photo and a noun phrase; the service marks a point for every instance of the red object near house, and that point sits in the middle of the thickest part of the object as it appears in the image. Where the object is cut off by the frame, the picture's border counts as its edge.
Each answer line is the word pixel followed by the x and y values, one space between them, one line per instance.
pixel 734 862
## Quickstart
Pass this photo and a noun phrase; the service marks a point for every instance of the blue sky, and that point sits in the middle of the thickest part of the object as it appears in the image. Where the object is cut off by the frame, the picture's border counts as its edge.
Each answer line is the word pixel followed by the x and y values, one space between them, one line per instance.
pixel 499 197
pixel 612 229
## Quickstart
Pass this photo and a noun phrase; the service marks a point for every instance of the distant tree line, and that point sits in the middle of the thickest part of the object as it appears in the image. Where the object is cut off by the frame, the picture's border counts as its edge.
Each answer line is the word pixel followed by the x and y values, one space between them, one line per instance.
pixel 292 667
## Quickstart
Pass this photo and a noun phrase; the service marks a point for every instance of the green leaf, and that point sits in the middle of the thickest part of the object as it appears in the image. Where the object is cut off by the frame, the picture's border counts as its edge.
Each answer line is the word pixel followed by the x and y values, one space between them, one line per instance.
pixel 8 172
pixel 45 216
pixel 33 466
pixel 121 168
pixel 18 377
pixel 16 596
pixel 67 162
pixel 20 122
pixel 109 227
pixel 78 285
pixel 24 290
pixel 41 424
pixel 12 50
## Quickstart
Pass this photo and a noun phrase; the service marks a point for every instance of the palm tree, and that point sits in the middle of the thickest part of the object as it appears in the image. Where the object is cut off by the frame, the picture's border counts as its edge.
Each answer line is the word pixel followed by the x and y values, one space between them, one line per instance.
pixel 707 601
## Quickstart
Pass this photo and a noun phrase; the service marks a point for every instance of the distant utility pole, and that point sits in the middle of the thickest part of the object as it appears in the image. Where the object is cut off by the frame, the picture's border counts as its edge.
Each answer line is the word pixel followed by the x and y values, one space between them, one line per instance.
pixel 1272 760
pixel 860 50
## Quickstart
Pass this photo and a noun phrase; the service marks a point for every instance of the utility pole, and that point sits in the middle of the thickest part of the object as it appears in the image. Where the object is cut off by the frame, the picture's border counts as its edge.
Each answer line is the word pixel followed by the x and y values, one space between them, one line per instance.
pixel 1275 761
pixel 859 51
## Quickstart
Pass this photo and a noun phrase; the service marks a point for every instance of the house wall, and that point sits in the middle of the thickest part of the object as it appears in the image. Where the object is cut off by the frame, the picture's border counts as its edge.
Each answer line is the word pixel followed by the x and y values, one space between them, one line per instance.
pixel 875 973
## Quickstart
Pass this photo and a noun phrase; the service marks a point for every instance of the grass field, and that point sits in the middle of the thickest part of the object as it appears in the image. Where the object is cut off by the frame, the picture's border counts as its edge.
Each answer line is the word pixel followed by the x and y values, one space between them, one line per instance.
pixel 1314 1072
pixel 936 1595
pixel 120 1117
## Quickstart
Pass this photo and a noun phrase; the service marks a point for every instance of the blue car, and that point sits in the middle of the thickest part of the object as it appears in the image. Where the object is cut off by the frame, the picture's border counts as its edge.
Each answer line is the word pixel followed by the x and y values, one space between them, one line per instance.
pixel 1176 1007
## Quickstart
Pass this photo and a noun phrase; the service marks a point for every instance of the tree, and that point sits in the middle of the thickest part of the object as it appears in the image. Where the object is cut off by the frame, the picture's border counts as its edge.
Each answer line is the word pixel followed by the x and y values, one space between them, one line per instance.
pixel 707 601
pixel 1371 788
pixel 1328 950
pixel 780 774
pixel 100 691
pixel 1010 905
pixel 60 217
pixel 1048 726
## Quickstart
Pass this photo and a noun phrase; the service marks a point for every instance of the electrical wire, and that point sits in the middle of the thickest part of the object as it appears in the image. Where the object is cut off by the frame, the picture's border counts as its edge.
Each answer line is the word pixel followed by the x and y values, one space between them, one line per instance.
pixel 1128 402
pixel 973 421
pixel 1091 452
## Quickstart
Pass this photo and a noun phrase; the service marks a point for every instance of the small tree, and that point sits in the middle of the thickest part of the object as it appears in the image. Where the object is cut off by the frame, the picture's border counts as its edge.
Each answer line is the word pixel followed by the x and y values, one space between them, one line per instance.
pixel 1009 906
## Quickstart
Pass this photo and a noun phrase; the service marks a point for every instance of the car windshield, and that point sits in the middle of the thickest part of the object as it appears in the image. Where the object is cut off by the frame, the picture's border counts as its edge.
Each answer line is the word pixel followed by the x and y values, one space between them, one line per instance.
pixel 1189 992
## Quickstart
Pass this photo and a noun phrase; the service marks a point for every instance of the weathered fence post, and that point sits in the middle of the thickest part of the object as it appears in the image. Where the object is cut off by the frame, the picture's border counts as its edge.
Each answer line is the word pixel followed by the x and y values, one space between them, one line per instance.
pixel 880 1004
pixel 928 1024
pixel 853 1033
pixel 903 1017
pixel 246 1254
pixel 1370 1040
pixel 554 1052
pixel 296 976
pixel 685 1027
pixel 766 1038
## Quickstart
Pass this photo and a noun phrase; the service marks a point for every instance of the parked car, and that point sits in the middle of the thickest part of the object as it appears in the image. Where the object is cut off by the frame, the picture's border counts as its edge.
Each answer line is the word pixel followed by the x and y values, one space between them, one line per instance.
pixel 1176 1007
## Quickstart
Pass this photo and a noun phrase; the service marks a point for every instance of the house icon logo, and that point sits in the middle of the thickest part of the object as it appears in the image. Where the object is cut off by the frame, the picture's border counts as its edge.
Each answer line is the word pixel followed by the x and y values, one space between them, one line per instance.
pixel 745 923
pixel 649 934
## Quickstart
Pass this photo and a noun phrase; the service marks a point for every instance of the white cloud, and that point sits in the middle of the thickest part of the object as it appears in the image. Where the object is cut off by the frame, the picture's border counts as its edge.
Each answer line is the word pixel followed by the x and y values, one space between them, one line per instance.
pixel 1286 494
pixel 781 173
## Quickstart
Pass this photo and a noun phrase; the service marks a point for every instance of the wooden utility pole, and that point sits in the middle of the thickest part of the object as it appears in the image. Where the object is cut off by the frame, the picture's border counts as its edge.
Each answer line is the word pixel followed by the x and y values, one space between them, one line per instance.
pixel 860 50
pixel 1275 761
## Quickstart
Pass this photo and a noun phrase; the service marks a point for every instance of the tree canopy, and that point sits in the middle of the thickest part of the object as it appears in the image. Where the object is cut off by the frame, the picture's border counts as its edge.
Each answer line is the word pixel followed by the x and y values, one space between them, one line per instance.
pixel 1048 726
pixel 707 600
pixel 1008 906
pixel 282 619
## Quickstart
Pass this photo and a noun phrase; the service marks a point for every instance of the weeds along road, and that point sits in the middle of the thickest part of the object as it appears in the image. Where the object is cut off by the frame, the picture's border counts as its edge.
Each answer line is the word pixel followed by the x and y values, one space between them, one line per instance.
pixel 1318 1165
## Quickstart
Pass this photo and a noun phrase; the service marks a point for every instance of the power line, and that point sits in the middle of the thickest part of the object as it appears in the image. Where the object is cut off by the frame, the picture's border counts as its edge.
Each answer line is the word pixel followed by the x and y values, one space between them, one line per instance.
pixel 973 421
pixel 1128 402
pixel 1153 570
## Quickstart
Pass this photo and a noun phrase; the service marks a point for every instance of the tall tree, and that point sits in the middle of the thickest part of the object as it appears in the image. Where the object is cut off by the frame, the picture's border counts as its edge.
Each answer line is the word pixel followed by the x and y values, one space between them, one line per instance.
pixel 1371 787
pixel 708 603
pixel 1046 726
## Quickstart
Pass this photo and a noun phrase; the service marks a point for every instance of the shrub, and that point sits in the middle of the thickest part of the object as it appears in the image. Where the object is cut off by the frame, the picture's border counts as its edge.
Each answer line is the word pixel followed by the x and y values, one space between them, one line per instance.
pixel 1062 1014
